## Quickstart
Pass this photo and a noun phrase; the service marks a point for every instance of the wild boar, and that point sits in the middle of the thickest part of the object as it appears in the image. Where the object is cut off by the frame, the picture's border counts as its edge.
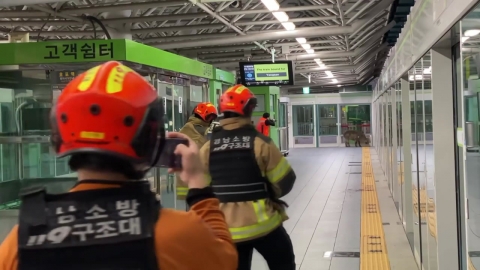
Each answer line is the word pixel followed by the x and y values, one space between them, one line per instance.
pixel 355 135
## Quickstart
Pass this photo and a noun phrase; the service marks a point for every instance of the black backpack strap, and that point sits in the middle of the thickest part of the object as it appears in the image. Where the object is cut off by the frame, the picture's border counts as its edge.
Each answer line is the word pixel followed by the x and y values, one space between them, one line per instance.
pixel 34 205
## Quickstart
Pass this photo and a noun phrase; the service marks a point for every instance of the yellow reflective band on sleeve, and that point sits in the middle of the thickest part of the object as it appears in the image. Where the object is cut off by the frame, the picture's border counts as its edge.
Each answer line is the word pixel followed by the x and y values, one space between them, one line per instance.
pixel 182 191
pixel 277 173
pixel 260 210
pixel 257 229
pixel 208 178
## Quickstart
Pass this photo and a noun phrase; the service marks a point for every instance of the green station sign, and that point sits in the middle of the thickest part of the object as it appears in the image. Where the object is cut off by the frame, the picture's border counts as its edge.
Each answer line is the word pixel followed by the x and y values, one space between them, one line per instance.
pixel 84 51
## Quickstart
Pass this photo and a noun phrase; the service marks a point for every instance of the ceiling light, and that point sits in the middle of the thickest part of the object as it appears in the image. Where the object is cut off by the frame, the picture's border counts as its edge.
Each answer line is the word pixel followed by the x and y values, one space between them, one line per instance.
pixel 428 70
pixel 322 65
pixel 310 51
pixel 281 16
pixel 271 5
pixel 339 85
pixel 472 33
pixel 415 77
pixel 301 40
pixel 317 60
pixel 329 73
pixel 289 26
pixel 335 81
pixel 306 46
pixel 465 39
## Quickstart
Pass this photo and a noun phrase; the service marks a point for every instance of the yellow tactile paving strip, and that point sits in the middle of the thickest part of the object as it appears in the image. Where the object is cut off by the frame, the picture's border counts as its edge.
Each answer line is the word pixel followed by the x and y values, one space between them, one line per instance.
pixel 427 210
pixel 373 248
pixel 470 264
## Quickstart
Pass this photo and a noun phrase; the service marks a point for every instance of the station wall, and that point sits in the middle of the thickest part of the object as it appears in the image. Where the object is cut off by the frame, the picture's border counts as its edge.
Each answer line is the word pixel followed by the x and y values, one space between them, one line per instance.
pixel 312 128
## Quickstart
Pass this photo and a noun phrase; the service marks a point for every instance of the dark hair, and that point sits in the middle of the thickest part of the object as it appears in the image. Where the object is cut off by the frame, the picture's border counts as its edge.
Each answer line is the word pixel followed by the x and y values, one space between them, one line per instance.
pixel 104 163
pixel 266 115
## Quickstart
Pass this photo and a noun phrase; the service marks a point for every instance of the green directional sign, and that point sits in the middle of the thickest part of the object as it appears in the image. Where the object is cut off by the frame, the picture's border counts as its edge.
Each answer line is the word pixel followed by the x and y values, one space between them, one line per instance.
pixel 306 90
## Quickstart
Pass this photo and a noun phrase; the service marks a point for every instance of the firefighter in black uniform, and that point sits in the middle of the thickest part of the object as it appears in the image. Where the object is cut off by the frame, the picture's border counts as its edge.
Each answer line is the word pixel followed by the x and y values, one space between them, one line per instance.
pixel 249 175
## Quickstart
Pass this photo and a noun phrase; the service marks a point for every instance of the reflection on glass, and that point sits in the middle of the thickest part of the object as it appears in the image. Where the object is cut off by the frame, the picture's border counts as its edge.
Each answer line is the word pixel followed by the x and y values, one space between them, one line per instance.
pixel 355 117
pixel 470 82
pixel 26 157
pixel 399 150
pixel 327 119
pixel 423 188
pixel 282 114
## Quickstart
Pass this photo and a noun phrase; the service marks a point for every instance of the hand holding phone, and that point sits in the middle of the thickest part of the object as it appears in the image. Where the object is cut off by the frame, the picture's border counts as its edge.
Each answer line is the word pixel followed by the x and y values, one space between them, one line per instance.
pixel 168 158
pixel 186 160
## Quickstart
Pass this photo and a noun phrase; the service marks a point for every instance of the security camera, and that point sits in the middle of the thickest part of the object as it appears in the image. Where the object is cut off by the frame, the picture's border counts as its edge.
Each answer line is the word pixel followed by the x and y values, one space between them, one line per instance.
pixel 236 4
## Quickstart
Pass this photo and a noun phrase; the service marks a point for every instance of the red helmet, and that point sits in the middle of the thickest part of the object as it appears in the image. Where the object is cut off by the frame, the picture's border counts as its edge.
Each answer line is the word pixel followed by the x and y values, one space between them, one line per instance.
pixel 206 111
pixel 109 109
pixel 238 99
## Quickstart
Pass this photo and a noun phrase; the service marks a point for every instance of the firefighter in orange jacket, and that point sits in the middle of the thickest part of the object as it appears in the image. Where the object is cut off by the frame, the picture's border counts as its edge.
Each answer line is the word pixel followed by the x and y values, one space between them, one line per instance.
pixel 264 124
pixel 249 175
pixel 113 132
pixel 196 128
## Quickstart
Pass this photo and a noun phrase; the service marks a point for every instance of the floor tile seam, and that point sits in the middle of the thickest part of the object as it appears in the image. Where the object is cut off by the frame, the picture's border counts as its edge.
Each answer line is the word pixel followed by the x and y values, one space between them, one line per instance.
pixel 333 160
pixel 312 175
pixel 341 215
pixel 316 226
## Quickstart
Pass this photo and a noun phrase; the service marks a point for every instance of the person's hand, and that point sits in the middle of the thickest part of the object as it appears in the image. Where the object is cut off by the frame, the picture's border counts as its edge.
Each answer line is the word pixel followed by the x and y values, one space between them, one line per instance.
pixel 192 168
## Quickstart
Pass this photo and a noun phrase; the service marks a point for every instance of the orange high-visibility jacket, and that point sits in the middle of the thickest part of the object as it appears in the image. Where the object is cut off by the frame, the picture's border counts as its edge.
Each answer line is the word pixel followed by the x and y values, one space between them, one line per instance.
pixel 262 127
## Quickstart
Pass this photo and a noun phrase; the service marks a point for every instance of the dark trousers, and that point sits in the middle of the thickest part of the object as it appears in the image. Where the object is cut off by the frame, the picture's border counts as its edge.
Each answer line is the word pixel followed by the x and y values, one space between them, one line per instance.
pixel 275 247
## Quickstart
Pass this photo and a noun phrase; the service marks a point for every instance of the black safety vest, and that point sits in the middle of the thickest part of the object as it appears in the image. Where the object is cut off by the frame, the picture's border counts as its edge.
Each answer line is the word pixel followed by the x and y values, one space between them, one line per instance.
pixel 103 229
pixel 233 167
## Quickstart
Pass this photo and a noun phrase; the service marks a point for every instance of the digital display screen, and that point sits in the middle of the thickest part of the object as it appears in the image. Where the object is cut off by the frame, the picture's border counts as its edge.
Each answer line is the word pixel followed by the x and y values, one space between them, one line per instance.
pixel 266 73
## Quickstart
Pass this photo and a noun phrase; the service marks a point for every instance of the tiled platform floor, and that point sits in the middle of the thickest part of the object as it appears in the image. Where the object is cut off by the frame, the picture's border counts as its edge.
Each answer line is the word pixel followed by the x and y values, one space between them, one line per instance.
pixel 325 211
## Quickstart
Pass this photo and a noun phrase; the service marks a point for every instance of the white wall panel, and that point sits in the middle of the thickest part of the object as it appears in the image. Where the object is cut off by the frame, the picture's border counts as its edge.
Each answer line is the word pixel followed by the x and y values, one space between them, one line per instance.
pixel 428 21
pixel 329 99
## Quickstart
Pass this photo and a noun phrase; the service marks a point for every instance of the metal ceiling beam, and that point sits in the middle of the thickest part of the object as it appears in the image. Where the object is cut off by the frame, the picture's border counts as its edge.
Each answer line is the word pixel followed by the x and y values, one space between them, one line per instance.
pixel 252 46
pixel 285 9
pixel 380 48
pixel 7 3
pixel 303 19
pixel 353 7
pixel 326 83
pixel 354 53
pixel 226 23
pixel 377 34
pixel 328 79
pixel 338 56
pixel 157 41
pixel 21 14
pixel 303 32
pixel 121 7
pixel 55 13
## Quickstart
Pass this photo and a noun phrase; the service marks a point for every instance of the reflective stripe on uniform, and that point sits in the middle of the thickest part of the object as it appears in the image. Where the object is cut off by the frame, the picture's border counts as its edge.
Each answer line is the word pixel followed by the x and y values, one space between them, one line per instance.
pixel 208 178
pixel 277 173
pixel 260 210
pixel 256 229
pixel 182 191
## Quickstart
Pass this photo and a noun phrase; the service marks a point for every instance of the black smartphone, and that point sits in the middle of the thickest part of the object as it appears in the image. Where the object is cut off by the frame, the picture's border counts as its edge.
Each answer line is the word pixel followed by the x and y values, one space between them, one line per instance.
pixel 168 159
